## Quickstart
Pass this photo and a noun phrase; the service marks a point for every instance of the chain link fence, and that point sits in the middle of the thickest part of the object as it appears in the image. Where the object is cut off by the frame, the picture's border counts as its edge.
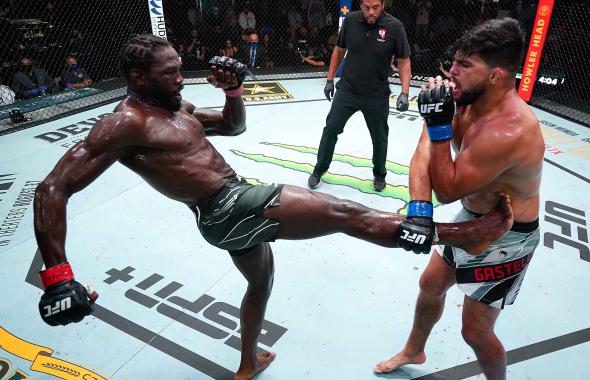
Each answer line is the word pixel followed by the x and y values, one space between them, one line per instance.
pixel 58 57
pixel 295 40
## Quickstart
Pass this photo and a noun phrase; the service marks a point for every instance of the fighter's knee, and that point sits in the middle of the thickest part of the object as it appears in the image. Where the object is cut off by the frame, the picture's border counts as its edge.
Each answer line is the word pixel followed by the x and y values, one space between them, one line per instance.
pixel 474 336
pixel 263 284
pixel 346 207
pixel 431 286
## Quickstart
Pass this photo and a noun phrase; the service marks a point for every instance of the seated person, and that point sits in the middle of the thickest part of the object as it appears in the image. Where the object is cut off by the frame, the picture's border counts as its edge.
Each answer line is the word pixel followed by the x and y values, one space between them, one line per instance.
pixel 74 76
pixel 229 50
pixel 31 81
pixel 313 56
pixel 254 54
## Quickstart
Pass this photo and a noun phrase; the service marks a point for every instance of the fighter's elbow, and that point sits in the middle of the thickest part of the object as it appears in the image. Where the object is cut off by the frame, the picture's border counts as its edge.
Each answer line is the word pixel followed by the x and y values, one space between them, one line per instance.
pixel 237 130
pixel 445 197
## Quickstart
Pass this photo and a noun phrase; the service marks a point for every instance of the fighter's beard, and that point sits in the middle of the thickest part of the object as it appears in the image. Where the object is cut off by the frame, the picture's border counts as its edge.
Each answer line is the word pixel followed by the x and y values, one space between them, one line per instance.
pixel 468 97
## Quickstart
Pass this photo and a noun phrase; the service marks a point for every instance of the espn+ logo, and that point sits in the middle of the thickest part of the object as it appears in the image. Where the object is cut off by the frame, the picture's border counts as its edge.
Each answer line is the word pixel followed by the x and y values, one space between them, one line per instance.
pixel 427 108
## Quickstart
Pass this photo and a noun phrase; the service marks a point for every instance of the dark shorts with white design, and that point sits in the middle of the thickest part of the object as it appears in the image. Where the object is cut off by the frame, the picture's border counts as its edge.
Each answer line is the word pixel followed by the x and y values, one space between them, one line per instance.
pixel 231 219
pixel 495 276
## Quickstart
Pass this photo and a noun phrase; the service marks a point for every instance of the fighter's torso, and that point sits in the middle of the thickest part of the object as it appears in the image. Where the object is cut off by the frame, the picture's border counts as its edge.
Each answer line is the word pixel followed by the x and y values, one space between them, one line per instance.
pixel 521 180
pixel 174 156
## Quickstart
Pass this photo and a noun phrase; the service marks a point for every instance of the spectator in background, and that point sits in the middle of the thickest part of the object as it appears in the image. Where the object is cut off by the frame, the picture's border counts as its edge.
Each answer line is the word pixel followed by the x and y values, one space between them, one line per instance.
pixel 229 50
pixel 74 76
pixel 247 19
pixel 314 56
pixel 255 53
pixel 31 81
pixel 268 44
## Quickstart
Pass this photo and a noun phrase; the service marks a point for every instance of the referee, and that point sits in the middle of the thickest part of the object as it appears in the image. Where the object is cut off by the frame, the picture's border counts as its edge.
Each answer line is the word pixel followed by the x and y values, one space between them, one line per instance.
pixel 371 37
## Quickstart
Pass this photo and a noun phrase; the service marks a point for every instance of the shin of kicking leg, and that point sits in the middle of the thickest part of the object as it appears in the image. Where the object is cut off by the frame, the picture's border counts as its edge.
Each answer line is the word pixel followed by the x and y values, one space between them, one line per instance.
pixel 305 214
pixel 257 266
pixel 478 332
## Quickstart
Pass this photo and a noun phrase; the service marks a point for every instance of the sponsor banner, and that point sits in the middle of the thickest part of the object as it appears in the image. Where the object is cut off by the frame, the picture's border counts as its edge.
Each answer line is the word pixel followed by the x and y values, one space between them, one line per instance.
pixel 264 91
pixel 69 135
pixel 157 17
pixel 533 57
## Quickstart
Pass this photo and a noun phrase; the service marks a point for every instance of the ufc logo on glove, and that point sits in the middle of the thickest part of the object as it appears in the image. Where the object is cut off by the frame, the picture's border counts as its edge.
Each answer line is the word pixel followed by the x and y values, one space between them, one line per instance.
pixel 59 306
pixel 413 238
pixel 426 108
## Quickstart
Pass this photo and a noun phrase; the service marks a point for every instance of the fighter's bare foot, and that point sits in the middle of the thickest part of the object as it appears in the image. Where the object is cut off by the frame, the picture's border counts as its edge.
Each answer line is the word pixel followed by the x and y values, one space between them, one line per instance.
pixel 490 227
pixel 399 360
pixel 263 360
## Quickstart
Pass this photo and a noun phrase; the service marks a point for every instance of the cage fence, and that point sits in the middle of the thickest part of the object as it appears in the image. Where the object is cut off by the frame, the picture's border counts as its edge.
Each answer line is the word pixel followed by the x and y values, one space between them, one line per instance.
pixel 61 56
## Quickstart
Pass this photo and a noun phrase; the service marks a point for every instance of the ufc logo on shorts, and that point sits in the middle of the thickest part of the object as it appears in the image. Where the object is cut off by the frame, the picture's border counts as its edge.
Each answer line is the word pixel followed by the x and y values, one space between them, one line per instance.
pixel 413 238
pixel 59 306
pixel 426 108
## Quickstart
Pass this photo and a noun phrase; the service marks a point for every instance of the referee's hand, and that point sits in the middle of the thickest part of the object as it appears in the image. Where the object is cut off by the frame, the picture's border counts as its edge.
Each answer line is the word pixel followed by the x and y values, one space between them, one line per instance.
pixel 402 102
pixel 329 90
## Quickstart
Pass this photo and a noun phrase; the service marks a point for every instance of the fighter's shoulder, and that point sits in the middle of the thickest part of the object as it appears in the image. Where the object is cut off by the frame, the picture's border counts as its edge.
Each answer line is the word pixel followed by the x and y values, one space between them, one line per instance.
pixel 515 126
pixel 123 127
pixel 187 107
pixel 125 117
pixel 521 118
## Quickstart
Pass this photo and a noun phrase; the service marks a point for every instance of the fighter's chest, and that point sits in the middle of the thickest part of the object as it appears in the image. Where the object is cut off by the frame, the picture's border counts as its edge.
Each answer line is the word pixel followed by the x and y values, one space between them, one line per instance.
pixel 174 134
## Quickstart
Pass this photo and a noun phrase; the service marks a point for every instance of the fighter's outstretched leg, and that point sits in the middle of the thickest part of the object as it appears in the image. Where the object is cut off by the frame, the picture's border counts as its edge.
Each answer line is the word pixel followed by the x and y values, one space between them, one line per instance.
pixel 257 266
pixel 305 214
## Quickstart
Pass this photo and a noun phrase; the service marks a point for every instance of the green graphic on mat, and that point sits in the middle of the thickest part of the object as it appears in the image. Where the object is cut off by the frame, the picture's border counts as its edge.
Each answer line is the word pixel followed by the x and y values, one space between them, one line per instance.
pixel 400 192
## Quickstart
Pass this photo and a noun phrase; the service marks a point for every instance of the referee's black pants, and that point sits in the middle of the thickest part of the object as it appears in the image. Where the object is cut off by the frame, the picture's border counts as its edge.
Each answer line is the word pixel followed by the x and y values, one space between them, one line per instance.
pixel 375 110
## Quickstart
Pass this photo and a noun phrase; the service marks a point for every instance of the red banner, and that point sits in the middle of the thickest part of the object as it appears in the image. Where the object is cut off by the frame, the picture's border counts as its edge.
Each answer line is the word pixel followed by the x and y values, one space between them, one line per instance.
pixel 533 56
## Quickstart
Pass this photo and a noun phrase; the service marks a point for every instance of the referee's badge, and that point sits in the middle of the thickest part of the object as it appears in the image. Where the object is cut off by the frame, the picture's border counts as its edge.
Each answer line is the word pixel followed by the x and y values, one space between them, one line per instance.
pixel 382 32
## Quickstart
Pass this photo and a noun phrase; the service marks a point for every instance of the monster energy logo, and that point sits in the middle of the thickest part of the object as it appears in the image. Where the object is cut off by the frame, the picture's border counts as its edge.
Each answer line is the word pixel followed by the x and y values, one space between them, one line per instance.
pixel 400 192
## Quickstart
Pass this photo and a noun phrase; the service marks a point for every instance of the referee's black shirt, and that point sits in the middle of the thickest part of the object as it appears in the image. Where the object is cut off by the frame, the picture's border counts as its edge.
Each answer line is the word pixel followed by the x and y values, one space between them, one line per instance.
pixel 370 49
